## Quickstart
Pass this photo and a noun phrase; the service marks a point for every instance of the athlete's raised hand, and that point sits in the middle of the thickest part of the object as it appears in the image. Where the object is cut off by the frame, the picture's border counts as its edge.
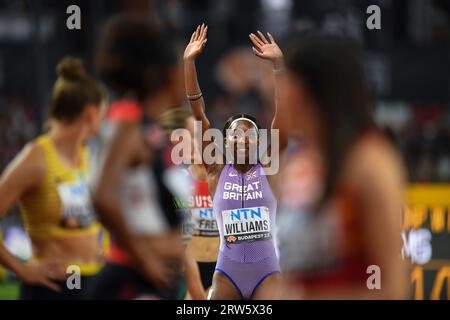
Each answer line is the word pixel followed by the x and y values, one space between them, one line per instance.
pixel 269 50
pixel 197 43
pixel 266 49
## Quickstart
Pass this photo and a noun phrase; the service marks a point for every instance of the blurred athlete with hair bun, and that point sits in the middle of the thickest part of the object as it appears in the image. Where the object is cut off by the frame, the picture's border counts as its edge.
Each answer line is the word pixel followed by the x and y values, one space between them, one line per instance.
pixel 50 180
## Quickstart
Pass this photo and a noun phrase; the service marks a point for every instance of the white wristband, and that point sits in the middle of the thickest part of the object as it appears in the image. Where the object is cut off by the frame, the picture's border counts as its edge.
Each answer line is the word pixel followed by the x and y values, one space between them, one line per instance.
pixel 194 96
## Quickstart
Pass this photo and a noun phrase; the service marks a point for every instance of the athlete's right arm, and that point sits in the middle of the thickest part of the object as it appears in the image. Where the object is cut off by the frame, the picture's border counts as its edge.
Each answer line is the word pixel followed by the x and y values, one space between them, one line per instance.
pixel 192 276
pixel 25 172
pixel 122 152
pixel 193 92
pixel 125 151
pixel 379 179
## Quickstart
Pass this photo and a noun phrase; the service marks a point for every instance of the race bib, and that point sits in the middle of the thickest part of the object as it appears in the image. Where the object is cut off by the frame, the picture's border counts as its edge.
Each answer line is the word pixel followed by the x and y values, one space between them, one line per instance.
pixel 76 205
pixel 246 224
pixel 187 225
pixel 205 222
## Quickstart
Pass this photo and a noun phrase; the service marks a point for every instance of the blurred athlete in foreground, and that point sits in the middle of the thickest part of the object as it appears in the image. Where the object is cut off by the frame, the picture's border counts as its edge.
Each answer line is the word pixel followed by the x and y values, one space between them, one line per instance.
pixel 349 225
pixel 243 195
pixel 49 179
pixel 137 187
pixel 171 120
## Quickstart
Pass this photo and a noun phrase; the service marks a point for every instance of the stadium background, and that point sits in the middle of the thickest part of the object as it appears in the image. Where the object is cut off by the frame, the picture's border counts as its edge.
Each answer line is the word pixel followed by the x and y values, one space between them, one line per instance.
pixel 407 62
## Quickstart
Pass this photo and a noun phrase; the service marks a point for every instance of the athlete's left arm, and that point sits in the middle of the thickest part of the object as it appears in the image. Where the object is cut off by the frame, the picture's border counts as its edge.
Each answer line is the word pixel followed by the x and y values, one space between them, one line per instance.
pixel 378 177
pixel 269 50
pixel 192 276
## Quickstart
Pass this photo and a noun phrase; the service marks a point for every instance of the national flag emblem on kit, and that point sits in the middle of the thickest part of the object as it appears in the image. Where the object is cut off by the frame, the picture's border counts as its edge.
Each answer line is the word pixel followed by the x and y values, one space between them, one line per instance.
pixel 251 175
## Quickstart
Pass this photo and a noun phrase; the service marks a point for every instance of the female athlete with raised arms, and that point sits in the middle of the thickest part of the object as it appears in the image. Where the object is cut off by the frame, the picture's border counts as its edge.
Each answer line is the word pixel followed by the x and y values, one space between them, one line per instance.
pixel 244 197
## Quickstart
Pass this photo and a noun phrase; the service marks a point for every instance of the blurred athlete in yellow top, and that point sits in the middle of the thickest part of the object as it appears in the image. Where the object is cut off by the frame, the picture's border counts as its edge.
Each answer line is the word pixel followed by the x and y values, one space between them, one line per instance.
pixel 49 179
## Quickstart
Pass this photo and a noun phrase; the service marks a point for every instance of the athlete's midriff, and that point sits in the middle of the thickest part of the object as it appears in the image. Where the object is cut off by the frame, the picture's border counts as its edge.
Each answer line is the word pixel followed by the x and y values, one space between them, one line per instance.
pixel 75 250
pixel 156 244
pixel 205 249
pixel 205 241
pixel 245 208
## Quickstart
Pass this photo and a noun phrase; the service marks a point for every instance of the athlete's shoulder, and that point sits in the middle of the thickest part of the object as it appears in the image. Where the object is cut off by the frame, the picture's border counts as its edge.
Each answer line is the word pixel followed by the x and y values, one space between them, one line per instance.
pixel 374 158
pixel 29 164
pixel 126 138
pixel 374 149
pixel 32 153
pixel 272 163
pixel 215 169
pixel 213 176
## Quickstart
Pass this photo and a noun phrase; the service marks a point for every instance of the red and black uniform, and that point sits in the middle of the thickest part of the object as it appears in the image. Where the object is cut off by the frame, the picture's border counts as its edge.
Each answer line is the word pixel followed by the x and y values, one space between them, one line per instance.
pixel 147 204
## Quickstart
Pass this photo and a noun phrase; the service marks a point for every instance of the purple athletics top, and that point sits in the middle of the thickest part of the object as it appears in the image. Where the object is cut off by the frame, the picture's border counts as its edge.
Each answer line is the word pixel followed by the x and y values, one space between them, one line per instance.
pixel 245 209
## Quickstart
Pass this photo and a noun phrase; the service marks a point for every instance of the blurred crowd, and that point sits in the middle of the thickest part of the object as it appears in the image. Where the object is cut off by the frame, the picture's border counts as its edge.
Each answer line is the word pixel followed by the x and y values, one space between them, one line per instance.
pixel 413 32
pixel 421 133
pixel 17 126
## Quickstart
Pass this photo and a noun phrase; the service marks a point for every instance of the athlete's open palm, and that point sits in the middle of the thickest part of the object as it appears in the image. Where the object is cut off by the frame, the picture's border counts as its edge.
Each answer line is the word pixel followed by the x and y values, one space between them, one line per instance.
pixel 266 49
pixel 197 43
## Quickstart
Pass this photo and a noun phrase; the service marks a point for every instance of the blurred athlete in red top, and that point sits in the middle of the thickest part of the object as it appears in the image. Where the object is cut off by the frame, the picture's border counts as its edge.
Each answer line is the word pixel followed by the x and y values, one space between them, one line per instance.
pixel 342 191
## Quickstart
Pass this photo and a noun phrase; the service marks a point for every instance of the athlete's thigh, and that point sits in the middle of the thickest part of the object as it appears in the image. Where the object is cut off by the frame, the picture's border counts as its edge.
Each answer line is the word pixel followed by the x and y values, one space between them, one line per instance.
pixel 269 288
pixel 223 289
